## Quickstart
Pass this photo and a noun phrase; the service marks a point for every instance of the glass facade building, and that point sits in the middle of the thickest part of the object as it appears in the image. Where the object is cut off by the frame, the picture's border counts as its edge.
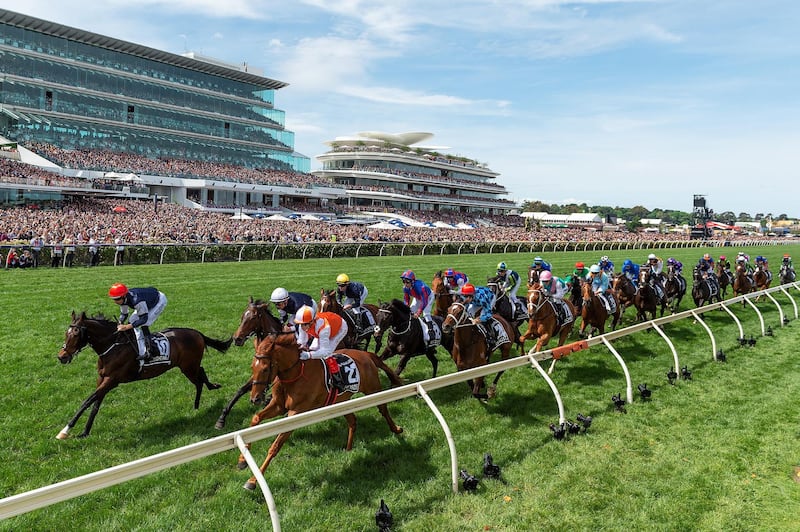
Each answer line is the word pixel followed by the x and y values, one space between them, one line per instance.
pixel 75 89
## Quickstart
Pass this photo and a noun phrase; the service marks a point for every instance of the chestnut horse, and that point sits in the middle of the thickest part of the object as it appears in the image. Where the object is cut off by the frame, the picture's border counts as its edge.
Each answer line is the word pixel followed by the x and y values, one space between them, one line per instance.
pixel 594 313
pixel 470 348
pixel 256 321
pixel 543 323
pixel 742 283
pixel 357 337
pixel 299 386
pixel 625 290
pixel 117 362
pixel 762 278
pixel 441 295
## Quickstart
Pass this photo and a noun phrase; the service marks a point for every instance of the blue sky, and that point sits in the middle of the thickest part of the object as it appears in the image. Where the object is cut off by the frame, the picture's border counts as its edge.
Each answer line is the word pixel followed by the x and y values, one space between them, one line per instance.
pixel 617 103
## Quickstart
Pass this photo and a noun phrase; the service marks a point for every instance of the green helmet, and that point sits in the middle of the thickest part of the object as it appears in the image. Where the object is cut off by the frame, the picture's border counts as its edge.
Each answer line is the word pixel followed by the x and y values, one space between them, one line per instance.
pixel 501 267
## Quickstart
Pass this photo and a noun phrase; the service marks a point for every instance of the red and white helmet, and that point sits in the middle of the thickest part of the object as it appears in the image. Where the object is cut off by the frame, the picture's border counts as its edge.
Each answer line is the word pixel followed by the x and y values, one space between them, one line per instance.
pixel 468 290
pixel 117 290
pixel 304 314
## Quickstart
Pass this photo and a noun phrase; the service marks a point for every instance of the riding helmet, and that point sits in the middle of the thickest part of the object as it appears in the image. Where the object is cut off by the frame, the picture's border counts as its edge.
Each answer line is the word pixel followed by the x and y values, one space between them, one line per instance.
pixel 501 267
pixel 408 274
pixel 579 265
pixel 595 268
pixel 706 257
pixel 628 262
pixel 449 273
pixel 305 314
pixel 117 290
pixel 546 276
pixel 468 290
pixel 342 278
pixel 279 295
pixel 652 256
pixel 722 257
pixel 604 258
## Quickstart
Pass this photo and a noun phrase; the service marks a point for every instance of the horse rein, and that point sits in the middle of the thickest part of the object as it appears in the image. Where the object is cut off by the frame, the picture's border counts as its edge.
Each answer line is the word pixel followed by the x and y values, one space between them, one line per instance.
pixel 461 320
pixel 391 328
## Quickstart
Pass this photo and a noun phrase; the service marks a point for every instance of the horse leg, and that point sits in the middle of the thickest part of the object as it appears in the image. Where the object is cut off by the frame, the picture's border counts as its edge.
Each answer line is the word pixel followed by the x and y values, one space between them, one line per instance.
pixel 351 430
pixel 477 387
pixel 220 424
pixel 392 426
pixel 64 434
pixel 431 355
pixel 402 364
pixel 210 385
pixel 273 409
pixel 273 451
pixel 93 414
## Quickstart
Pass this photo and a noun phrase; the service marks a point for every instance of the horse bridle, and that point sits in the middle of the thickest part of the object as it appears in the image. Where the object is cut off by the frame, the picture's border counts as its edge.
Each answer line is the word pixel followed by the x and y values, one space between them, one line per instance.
pixel 459 321
pixel 83 339
pixel 273 371
pixel 391 328
pixel 533 310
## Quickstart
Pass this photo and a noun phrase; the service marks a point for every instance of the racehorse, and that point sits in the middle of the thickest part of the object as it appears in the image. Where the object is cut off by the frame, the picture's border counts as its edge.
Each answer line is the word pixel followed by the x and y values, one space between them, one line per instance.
pixel 674 288
pixel 533 276
pixel 762 278
pixel 117 362
pixel 646 299
pixel 441 295
pixel 503 303
pixel 594 313
pixel 299 386
pixel 786 275
pixel 256 321
pixel 406 337
pixel 625 290
pixel 544 322
pixel 742 283
pixel 725 279
pixel 575 292
pixel 470 348
pixel 357 337
pixel 703 290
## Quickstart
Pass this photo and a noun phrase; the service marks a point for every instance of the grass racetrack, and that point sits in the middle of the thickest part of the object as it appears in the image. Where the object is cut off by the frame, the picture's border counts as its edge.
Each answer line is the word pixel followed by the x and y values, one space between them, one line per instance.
pixel 717 452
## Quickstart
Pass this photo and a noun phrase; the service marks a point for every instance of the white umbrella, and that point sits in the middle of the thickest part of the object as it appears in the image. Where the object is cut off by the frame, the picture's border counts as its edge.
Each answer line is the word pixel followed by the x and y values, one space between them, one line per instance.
pixel 384 225
pixel 241 216
pixel 310 217
pixel 278 218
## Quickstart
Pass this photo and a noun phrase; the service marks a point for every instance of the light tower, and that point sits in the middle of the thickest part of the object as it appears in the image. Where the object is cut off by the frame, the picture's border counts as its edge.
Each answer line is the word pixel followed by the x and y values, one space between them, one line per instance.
pixel 702 215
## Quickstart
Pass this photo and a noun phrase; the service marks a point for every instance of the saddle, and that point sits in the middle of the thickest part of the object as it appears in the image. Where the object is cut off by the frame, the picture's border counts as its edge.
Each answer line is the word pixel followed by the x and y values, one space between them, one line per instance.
pixel 563 314
pixel 610 302
pixel 159 350
pixel 362 318
pixel 341 375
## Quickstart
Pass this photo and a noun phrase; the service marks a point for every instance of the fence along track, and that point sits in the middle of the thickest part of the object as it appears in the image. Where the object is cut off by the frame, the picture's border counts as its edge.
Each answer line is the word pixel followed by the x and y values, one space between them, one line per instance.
pixel 62 491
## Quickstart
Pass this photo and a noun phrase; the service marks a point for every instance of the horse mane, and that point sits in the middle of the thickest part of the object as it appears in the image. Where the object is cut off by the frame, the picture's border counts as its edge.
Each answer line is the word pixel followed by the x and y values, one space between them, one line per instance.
pixel 99 317
pixel 437 275
pixel 259 302
pixel 400 307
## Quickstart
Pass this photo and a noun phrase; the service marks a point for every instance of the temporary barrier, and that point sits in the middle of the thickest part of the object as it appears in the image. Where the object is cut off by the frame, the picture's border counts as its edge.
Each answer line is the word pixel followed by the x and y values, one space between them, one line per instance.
pixel 48 495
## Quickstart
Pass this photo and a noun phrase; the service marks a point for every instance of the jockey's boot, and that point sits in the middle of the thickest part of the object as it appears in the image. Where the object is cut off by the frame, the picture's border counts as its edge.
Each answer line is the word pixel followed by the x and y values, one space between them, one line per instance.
pixel 490 336
pixel 150 350
pixel 337 381
pixel 429 324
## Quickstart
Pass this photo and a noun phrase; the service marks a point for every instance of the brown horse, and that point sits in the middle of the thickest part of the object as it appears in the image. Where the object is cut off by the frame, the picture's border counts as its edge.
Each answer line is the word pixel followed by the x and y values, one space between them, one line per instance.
pixel 594 313
pixel 762 278
pixel 256 321
pixel 117 363
pixel 442 296
pixel 742 283
pixel 470 348
pixel 544 322
pixel 725 278
pixel 357 337
pixel 625 291
pixel 646 299
pixel 674 288
pixel 299 386
pixel 533 276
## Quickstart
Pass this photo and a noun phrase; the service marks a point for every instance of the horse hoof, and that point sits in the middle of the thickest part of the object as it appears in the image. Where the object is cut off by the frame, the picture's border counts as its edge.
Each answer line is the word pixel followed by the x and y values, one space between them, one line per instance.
pixel 241 464
pixel 249 485
pixel 491 393
pixel 398 430
pixel 62 435
pixel 220 424
pixel 214 386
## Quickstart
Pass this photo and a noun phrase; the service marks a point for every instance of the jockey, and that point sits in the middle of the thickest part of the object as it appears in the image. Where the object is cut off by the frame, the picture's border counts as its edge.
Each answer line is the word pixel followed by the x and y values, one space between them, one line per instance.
pixel 580 271
pixel 479 302
pixel 509 285
pixel 454 280
pixel 787 261
pixel 600 284
pixel 786 265
pixel 656 266
pixel 706 266
pixel 351 295
pixel 631 271
pixel 288 303
pixel 761 262
pixel 743 259
pixel 552 285
pixel 677 266
pixel 417 295
pixel 326 328
pixel 147 304
pixel 606 265
pixel 540 265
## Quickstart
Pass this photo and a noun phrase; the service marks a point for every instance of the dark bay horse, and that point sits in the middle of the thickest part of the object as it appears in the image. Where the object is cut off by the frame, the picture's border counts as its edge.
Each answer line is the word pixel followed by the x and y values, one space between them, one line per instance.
pixel 117 363
pixel 470 348
pixel 674 288
pixel 257 321
pixel 543 323
pixel 594 313
pixel 405 335
pixel 503 303
pixel 646 299
pixel 357 337
pixel 574 289
pixel 704 291
pixel 625 290
pixel 742 283
pixel 299 386
pixel 442 296
pixel 725 278
pixel 786 274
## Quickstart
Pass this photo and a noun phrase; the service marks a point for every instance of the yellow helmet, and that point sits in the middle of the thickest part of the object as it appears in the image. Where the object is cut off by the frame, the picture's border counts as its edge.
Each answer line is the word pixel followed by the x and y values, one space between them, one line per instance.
pixel 342 278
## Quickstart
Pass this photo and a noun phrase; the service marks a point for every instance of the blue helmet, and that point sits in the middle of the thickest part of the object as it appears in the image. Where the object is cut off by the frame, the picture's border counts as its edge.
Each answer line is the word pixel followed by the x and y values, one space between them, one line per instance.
pixel 627 264
pixel 409 275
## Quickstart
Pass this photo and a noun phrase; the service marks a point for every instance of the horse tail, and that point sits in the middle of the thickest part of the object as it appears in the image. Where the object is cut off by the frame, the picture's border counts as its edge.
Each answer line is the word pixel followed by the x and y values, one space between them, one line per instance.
pixel 393 377
pixel 220 345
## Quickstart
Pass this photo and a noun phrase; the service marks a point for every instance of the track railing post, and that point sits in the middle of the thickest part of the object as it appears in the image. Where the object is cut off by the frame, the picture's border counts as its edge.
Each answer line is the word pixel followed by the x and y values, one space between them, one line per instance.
pixel 760 316
pixel 628 386
pixel 669 343
pixel 450 442
pixel 710 334
pixel 262 482
pixel 735 319
pixel 535 363
pixel 780 310
pixel 786 292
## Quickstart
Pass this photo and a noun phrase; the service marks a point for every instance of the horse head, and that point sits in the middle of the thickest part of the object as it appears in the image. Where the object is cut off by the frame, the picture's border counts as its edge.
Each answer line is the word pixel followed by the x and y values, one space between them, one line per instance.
pixel 536 299
pixel 456 315
pixel 256 320
pixel 75 338
pixel 533 276
pixel 275 354
pixel 391 314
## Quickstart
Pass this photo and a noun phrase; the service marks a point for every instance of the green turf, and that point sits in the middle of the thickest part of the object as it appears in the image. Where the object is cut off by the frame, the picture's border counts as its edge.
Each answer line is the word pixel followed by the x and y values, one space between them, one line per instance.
pixel 714 453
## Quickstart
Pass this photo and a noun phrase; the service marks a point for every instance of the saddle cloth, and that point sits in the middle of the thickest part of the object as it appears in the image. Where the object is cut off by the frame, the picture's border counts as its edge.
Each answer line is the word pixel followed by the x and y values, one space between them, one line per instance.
pixel 162 343
pixel 436 338
pixel 500 334
pixel 348 371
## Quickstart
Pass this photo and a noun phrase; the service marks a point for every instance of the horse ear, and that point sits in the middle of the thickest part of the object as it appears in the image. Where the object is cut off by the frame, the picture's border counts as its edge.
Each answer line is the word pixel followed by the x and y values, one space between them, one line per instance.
pixel 73 315
pixel 251 299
